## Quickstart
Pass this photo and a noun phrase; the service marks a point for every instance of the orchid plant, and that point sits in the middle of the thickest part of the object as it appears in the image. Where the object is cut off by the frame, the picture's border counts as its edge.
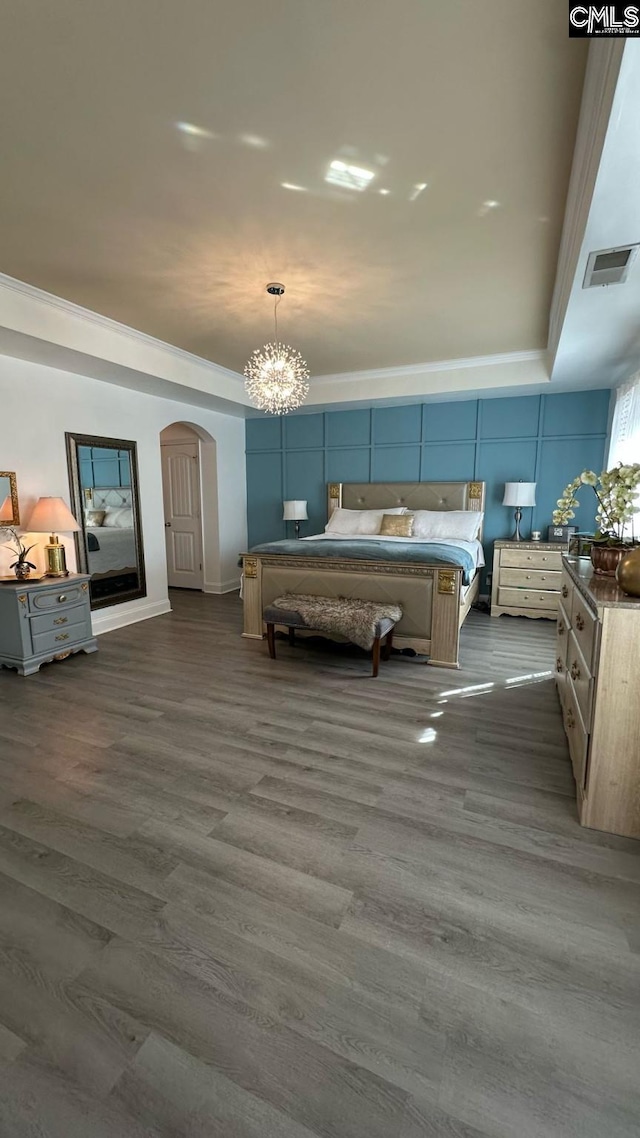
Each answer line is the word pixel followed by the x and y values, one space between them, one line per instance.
pixel 616 491
pixel 20 549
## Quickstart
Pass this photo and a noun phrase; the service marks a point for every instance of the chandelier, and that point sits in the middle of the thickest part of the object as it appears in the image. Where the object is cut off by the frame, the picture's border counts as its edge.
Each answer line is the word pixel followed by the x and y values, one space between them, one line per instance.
pixel 276 376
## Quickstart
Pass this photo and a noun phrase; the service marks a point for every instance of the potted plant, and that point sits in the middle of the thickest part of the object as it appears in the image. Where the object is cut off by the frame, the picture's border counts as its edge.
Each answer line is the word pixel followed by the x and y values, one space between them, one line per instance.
pixel 616 491
pixel 21 567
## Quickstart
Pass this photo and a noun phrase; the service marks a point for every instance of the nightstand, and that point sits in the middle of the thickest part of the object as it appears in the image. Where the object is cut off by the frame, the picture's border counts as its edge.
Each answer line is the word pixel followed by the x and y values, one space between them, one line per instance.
pixel 527 578
pixel 45 620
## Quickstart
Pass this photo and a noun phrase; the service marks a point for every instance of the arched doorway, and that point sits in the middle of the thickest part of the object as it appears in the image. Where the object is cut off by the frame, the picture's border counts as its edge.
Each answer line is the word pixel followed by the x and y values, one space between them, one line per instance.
pixel 190 495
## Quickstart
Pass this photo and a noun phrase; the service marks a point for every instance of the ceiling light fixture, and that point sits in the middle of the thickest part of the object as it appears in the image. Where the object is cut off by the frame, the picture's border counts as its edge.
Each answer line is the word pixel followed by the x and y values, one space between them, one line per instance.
pixel 276 376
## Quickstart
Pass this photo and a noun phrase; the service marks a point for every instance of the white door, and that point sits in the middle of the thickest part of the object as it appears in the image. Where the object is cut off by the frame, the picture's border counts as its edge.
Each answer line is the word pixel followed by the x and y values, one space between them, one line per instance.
pixel 182 520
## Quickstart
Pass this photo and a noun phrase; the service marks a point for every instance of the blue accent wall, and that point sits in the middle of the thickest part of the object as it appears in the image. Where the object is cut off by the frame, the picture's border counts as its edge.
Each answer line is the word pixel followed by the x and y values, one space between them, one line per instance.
pixel 546 439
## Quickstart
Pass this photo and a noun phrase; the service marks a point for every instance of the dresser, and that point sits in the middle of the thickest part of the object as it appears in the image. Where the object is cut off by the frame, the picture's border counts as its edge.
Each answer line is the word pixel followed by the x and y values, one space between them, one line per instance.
pixel 46 620
pixel 526 578
pixel 598 679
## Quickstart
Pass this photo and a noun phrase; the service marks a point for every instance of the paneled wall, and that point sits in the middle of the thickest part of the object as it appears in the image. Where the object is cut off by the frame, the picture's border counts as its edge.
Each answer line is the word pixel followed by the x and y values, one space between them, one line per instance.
pixel 546 439
pixel 104 467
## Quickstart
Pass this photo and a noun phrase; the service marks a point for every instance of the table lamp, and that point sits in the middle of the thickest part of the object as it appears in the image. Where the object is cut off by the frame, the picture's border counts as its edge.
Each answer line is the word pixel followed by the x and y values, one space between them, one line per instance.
pixel 295 512
pixel 48 516
pixel 519 494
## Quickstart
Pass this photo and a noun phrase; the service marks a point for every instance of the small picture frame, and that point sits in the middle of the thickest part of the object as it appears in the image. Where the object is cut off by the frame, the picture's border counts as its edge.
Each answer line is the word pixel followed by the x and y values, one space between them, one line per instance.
pixel 560 533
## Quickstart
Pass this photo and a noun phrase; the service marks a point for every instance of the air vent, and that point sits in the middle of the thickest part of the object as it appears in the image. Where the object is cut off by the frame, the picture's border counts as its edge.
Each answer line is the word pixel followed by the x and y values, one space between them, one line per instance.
pixel 609 266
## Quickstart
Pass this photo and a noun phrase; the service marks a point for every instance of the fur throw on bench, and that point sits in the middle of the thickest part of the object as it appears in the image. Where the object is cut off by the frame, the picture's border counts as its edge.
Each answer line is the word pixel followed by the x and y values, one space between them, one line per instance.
pixel 358 621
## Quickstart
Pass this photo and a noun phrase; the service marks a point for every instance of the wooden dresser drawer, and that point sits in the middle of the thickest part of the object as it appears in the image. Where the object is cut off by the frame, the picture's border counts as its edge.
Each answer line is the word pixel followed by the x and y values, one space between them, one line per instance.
pixel 58 619
pixel 59 641
pixel 581 679
pixel 531 559
pixel 531 578
pixel 527 598
pixel 566 592
pixel 44 600
pixel 584 624
pixel 576 735
pixel 562 648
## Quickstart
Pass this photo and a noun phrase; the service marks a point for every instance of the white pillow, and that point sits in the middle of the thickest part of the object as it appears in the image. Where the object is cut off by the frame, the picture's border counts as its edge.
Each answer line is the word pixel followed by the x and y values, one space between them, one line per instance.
pixel 358 522
pixel 459 525
pixel 118 519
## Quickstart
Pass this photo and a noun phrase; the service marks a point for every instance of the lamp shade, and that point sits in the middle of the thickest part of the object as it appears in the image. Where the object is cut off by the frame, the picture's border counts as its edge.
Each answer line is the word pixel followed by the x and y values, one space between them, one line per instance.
pixel 519 494
pixel 295 511
pixel 52 515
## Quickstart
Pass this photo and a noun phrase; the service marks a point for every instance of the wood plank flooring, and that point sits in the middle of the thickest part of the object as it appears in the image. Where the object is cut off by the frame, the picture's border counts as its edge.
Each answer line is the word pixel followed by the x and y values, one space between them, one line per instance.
pixel 252 899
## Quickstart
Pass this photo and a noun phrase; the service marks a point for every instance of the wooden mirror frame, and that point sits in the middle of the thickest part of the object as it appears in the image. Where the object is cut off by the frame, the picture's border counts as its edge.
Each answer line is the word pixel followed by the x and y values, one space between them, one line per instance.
pixel 11 523
pixel 73 441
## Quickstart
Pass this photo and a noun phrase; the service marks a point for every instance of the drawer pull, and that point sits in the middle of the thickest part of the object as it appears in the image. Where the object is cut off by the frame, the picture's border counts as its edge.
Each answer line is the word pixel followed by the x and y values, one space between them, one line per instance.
pixel 575 671
pixel 62 636
pixel 579 622
pixel 61 620
pixel 62 598
pixel 528 577
pixel 559 664
pixel 565 591
pixel 570 720
pixel 561 628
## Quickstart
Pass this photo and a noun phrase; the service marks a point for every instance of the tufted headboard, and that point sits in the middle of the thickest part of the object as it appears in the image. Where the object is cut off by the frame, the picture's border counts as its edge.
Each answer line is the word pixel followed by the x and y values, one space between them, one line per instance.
pixel 413 495
pixel 110 498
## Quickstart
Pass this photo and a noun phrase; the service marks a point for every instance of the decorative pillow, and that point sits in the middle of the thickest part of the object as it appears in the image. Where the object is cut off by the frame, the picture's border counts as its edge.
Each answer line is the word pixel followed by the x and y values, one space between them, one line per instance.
pixel 459 525
pixel 118 519
pixel 358 522
pixel 94 518
pixel 394 526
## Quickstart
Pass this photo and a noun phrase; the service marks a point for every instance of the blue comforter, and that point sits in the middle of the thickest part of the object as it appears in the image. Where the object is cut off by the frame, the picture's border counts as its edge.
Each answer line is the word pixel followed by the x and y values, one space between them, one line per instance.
pixel 425 553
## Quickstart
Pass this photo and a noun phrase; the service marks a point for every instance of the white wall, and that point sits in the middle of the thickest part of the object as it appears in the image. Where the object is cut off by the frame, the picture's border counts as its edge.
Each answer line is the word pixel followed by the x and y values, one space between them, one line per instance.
pixel 38 404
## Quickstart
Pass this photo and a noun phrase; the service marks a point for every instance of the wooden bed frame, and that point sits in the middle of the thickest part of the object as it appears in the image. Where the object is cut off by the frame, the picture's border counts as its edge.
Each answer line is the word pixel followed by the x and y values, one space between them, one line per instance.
pixel 431 595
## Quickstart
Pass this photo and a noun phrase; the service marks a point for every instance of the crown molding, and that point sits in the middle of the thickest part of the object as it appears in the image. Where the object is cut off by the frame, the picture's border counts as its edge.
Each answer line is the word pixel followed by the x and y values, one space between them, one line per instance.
pixel 202 369
pixel 408 370
pixel 105 322
pixel 601 79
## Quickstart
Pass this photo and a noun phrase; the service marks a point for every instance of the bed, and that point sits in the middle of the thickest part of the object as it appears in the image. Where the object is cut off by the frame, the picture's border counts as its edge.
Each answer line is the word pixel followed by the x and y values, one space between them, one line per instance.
pixel 111 548
pixel 434 582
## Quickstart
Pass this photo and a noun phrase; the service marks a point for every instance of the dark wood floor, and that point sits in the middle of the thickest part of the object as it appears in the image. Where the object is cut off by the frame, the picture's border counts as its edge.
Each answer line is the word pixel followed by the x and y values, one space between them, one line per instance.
pixel 255 899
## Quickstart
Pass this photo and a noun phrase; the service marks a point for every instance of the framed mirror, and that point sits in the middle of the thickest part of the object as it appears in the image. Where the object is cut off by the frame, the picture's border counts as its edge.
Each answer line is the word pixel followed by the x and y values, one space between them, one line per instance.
pixel 103 479
pixel 9 510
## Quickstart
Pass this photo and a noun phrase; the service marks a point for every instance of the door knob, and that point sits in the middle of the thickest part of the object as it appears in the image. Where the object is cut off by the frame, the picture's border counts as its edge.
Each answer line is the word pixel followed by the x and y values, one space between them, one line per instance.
pixel 167 525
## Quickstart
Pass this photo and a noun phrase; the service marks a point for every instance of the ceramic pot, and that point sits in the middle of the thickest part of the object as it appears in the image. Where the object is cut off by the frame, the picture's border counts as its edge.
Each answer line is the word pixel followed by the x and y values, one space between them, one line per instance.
pixel 22 571
pixel 605 558
pixel 628 572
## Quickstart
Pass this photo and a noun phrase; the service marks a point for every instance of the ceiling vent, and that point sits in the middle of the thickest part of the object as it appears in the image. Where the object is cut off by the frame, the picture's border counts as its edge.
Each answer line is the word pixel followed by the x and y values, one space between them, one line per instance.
pixel 609 266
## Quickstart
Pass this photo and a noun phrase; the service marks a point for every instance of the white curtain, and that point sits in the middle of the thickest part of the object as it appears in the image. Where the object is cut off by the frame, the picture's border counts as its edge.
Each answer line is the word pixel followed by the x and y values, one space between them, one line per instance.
pixel 625 436
pixel 625 430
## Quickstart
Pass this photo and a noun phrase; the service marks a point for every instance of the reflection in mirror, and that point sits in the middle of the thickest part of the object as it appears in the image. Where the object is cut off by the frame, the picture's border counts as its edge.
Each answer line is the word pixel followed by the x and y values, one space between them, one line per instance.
pixel 9 512
pixel 103 476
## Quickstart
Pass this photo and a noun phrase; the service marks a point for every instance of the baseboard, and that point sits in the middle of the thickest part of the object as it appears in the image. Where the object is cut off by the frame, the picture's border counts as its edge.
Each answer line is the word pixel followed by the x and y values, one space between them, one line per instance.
pixel 222 587
pixel 122 615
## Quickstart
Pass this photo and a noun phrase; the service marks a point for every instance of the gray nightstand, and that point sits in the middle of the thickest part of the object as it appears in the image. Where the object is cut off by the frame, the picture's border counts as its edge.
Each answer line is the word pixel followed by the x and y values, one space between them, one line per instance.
pixel 527 576
pixel 46 620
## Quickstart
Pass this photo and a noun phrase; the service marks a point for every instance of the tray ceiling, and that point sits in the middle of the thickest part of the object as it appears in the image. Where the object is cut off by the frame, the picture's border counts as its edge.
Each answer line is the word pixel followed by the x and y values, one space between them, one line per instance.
pixel 401 167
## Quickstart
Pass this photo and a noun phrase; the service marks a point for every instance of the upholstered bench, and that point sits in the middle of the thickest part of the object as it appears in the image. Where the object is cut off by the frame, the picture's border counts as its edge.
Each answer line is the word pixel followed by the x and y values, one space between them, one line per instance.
pixel 366 623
